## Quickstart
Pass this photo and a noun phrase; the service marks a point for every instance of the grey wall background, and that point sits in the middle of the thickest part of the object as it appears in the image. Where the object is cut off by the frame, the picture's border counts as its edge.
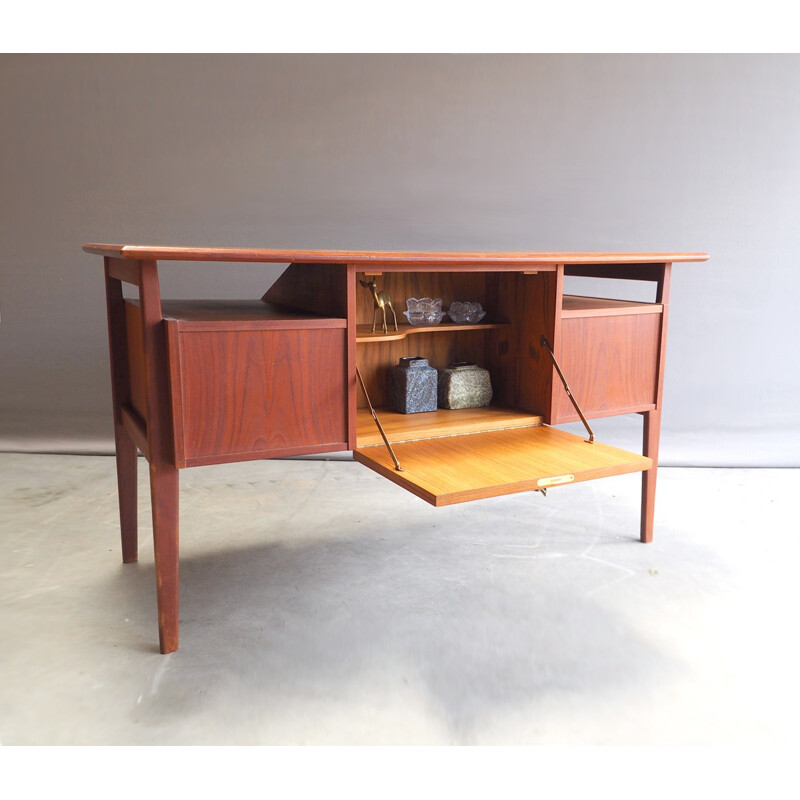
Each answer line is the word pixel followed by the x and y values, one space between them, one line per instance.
pixel 530 152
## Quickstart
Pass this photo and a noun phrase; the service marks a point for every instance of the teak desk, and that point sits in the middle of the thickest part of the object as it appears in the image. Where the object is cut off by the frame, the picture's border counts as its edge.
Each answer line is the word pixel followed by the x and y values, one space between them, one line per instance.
pixel 210 382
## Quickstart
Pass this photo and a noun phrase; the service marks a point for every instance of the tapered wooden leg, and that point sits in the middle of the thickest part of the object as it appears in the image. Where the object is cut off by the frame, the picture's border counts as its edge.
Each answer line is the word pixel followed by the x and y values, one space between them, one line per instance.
pixel 652 433
pixel 164 497
pixel 127 491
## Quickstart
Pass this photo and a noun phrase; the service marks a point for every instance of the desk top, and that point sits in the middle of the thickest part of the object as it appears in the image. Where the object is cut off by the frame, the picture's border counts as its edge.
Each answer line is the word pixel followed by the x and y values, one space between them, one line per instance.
pixel 373 258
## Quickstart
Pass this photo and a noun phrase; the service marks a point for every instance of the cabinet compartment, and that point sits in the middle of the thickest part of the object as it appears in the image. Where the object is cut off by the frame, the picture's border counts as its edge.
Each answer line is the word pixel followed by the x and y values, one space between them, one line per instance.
pixel 515 308
pixel 377 353
pixel 456 456
pixel 609 351
pixel 256 385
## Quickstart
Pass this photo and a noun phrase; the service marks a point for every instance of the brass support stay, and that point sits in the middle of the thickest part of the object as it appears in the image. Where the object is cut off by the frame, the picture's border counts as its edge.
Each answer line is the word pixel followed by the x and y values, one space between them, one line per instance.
pixel 378 422
pixel 546 344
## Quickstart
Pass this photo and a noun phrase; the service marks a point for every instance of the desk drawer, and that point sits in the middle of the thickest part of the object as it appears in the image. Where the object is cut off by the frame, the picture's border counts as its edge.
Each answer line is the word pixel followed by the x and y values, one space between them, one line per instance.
pixel 610 362
pixel 245 394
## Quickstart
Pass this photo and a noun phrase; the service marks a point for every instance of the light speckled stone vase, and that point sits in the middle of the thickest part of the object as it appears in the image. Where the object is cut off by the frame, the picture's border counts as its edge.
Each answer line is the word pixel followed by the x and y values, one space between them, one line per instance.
pixel 464 386
pixel 414 385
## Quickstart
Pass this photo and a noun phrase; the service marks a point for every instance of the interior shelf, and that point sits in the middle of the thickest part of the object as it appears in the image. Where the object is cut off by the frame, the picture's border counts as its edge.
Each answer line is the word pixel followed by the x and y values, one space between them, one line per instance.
pixel 576 306
pixel 364 332
pixel 442 422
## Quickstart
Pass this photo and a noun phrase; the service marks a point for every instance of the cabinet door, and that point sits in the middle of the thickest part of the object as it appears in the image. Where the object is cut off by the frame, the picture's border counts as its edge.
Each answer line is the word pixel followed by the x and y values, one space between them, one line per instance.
pixel 242 394
pixel 609 353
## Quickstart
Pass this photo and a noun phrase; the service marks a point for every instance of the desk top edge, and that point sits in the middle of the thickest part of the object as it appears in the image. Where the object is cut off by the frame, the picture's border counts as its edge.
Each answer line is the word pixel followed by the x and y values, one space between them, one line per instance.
pixel 373 258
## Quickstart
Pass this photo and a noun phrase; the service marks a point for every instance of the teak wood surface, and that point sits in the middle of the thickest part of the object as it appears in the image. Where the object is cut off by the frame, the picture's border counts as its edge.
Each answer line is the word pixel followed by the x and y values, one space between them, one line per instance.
pixel 456 469
pixel 213 381
pixel 369 258
pixel 240 395
pixel 442 422
pixel 612 363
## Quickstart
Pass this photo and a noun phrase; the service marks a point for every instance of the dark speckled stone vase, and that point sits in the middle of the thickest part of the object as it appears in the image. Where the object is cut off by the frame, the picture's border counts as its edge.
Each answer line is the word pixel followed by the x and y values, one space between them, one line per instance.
pixel 414 386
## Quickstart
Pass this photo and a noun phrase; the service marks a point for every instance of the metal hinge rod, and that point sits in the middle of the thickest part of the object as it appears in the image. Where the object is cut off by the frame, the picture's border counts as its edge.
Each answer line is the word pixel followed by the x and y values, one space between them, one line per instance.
pixel 546 344
pixel 378 423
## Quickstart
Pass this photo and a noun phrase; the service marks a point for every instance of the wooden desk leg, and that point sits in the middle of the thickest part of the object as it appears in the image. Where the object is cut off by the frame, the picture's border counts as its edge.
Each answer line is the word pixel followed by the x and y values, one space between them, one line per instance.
pixel 127 484
pixel 163 472
pixel 652 419
pixel 164 499
pixel 652 433
pixel 126 452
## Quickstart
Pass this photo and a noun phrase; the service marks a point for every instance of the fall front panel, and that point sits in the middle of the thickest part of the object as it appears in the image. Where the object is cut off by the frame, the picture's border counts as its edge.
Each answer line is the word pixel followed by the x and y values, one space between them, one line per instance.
pixel 457 469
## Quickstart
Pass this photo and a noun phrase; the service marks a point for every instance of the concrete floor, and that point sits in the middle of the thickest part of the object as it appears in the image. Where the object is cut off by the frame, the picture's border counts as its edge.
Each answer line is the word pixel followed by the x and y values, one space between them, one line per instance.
pixel 320 604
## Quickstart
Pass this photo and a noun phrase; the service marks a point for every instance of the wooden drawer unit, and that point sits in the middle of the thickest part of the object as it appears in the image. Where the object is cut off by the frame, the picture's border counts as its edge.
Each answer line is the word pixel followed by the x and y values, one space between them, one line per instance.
pixel 609 351
pixel 248 381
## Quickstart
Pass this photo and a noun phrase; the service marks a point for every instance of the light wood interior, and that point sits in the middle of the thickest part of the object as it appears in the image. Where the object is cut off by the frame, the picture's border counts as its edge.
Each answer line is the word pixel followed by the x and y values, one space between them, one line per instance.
pixel 443 422
pixel 491 344
pixel 449 286
pixel 454 456
pixel 578 306
pixel 456 469
pixel 364 332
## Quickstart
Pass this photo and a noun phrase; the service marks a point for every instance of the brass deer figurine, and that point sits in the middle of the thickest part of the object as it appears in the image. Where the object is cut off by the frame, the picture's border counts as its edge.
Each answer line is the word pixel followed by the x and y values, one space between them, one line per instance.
pixel 382 301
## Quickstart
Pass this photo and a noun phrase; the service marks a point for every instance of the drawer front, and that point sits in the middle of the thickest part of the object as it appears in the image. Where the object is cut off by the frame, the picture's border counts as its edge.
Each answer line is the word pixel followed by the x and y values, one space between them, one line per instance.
pixel 242 394
pixel 610 363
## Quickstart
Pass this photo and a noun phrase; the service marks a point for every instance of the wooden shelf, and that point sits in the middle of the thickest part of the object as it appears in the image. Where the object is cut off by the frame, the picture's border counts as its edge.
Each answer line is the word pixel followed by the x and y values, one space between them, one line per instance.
pixel 364 332
pixel 575 306
pixel 443 422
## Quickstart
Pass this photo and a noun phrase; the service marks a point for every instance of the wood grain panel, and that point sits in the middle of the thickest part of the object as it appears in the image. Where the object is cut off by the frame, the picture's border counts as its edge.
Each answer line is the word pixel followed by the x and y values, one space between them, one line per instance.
pixel 442 422
pixel 541 314
pixel 456 469
pixel 173 338
pixel 502 345
pixel 135 354
pixel 403 285
pixel 249 392
pixel 125 271
pixel 610 364
pixel 319 288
